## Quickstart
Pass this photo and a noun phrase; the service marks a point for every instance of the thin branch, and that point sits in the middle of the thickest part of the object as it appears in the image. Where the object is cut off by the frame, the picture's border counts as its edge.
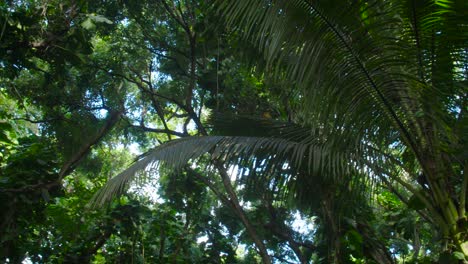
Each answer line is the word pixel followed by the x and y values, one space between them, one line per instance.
pixel 276 229
pixel 178 7
pixel 186 123
pixel 71 163
pixel 142 80
pixel 176 115
pixel 463 192
pixel 141 86
pixel 178 19
pixel 283 260
pixel 157 130
pixel 212 187
pixel 37 121
pixel 3 28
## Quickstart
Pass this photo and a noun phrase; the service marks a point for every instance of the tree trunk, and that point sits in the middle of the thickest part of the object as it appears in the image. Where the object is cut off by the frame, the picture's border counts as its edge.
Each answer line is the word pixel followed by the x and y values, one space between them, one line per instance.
pixel 334 232
pixel 240 212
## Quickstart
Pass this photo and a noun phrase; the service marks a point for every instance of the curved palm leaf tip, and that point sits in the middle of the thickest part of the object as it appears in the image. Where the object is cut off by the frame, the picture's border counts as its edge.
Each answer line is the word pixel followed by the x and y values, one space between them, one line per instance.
pixel 174 153
pixel 292 145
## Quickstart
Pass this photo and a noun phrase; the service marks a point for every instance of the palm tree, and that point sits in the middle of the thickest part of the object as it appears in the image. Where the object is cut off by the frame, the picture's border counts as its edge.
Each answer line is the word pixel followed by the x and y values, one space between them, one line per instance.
pixel 382 84
pixel 389 74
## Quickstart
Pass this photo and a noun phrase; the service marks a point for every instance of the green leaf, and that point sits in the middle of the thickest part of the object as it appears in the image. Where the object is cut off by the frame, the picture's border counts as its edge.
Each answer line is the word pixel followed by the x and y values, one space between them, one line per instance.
pixel 459 255
pixel 88 24
pixel 464 247
pixel 99 19
pixel 354 241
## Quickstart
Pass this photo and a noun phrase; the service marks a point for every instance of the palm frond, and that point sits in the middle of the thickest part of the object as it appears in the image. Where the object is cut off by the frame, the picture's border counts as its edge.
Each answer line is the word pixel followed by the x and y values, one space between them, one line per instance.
pixel 381 68
pixel 174 153
pixel 316 158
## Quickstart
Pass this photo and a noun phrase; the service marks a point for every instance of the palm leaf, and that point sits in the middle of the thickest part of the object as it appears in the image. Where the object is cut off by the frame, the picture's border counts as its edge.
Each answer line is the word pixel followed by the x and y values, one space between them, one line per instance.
pixel 269 155
pixel 376 70
pixel 316 158
pixel 175 153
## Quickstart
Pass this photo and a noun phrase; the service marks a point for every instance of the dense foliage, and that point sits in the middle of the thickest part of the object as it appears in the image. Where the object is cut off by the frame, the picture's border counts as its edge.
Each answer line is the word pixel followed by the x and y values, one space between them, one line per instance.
pixel 242 131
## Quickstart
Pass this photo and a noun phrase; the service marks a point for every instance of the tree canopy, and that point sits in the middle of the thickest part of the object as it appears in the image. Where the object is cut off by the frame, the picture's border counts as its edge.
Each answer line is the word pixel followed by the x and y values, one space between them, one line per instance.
pixel 242 131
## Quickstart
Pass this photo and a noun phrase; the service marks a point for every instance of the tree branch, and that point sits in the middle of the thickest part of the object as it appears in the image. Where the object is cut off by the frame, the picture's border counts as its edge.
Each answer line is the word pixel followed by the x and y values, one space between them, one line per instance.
pixel 241 214
pixel 157 130
pixel 279 231
pixel 70 164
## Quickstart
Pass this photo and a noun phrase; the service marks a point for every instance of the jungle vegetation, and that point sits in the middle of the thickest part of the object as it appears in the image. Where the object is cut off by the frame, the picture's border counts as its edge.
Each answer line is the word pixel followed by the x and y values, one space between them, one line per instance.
pixel 247 131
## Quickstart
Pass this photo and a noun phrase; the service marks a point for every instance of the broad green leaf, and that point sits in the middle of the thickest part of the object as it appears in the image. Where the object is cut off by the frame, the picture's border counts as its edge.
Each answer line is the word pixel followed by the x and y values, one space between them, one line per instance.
pixel 88 24
pixel 99 19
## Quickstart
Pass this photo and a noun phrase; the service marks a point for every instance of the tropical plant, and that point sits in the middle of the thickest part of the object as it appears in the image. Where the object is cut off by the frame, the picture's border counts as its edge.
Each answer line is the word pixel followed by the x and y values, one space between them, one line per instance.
pixel 356 126
pixel 382 86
